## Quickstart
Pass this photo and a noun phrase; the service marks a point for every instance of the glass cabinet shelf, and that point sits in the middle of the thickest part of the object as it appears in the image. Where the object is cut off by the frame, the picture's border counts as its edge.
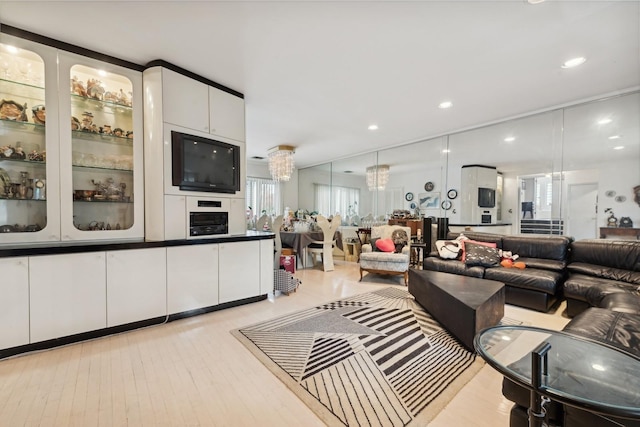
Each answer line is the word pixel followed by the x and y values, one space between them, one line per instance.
pixel 94 104
pixel 15 125
pixel 104 201
pixel 99 168
pixel 21 89
pixel 23 161
pixel 101 137
pixel 17 199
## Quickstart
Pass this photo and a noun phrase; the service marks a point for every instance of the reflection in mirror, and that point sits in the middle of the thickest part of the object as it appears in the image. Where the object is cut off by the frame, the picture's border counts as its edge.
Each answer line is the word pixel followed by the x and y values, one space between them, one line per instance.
pixel 351 197
pixel 491 167
pixel 314 190
pixel 411 167
pixel 601 165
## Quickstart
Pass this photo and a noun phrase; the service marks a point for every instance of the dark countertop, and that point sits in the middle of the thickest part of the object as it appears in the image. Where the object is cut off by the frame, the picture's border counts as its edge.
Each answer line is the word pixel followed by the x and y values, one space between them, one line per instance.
pixel 55 248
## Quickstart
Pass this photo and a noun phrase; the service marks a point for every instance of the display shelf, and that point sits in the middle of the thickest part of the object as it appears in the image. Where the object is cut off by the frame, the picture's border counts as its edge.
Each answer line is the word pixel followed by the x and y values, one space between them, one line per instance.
pixel 129 202
pixel 14 125
pixel 100 137
pixel 102 169
pixel 15 199
pixel 23 161
pixel 92 103
pixel 22 89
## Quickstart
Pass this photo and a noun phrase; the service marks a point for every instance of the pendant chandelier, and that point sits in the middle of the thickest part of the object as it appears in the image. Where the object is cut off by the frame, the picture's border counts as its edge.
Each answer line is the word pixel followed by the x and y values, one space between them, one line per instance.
pixel 377 177
pixel 281 162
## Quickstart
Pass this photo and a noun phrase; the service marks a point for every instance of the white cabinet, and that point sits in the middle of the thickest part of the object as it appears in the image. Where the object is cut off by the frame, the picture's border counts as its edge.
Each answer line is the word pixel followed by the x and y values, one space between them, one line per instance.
pixel 67 294
pixel 192 277
pixel 136 285
pixel 237 216
pixel 266 266
pixel 226 115
pixel 14 302
pixel 239 272
pixel 185 101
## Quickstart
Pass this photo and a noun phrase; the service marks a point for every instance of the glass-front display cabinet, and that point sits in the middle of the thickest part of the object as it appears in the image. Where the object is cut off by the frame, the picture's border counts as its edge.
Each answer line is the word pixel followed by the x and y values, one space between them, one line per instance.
pixel 100 151
pixel 70 146
pixel 29 203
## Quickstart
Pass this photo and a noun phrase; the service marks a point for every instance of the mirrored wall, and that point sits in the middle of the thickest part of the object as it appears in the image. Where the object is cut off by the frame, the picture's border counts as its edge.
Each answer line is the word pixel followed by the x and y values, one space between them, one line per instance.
pixel 572 171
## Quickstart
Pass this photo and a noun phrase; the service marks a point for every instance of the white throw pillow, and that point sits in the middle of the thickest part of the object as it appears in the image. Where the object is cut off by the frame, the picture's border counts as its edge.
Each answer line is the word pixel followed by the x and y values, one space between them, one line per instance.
pixel 449 249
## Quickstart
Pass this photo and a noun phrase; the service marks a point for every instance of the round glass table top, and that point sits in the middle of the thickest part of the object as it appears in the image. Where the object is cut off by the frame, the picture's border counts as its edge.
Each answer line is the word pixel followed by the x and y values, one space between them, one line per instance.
pixel 580 372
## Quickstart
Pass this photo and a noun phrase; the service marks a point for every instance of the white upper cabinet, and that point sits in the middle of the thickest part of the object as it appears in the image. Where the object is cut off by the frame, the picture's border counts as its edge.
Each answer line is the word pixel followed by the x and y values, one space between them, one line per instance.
pixel 226 115
pixel 185 102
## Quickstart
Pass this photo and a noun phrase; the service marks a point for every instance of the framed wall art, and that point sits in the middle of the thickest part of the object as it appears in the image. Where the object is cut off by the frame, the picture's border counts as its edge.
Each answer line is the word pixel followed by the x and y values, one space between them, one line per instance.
pixel 429 200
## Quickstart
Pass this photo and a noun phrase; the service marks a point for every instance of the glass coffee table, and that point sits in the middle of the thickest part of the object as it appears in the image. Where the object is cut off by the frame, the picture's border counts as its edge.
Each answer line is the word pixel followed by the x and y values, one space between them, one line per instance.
pixel 566 368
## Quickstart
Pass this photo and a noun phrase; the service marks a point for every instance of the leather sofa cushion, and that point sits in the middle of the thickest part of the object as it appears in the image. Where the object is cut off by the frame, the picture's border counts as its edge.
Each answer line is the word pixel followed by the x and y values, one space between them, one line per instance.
pixel 621 330
pixel 622 254
pixel 622 302
pixel 529 278
pixel 544 264
pixel 555 248
pixel 604 272
pixel 480 237
pixel 452 266
pixel 592 289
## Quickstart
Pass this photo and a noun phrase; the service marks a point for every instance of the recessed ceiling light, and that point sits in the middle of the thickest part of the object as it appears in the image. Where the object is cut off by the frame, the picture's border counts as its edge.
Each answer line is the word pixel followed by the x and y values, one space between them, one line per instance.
pixel 574 62
pixel 445 104
pixel 614 137
pixel 373 127
pixel 604 121
pixel 619 147
pixel 509 139
pixel 535 1
pixel 12 49
pixel 598 367
pixel 446 150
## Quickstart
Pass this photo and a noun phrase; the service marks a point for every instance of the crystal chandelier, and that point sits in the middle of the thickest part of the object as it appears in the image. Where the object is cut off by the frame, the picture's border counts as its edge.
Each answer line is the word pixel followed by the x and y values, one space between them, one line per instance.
pixel 377 177
pixel 281 162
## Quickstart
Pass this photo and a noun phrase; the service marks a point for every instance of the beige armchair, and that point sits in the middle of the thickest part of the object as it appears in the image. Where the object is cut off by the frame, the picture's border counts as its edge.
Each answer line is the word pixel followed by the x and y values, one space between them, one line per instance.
pixel 387 262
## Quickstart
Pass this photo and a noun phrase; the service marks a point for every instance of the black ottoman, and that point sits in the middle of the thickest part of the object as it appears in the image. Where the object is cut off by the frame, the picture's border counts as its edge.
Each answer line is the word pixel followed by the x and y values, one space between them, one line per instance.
pixel 463 305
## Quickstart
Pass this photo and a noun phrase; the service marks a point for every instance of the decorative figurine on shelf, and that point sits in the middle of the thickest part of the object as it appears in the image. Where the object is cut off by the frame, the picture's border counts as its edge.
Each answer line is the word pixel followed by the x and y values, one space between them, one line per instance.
pixel 75 123
pixel 11 110
pixel 39 114
pixel 18 153
pixel 625 222
pixel 123 98
pixel 612 221
pixel 636 191
pixel 130 134
pixel 87 124
pixel 77 87
pixel 106 130
pixel 118 132
pixel 111 97
pixel 95 89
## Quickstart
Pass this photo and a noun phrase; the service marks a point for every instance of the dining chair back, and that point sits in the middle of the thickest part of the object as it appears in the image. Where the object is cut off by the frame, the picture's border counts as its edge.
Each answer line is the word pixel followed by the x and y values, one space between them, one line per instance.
pixel 324 248
pixel 264 220
pixel 277 225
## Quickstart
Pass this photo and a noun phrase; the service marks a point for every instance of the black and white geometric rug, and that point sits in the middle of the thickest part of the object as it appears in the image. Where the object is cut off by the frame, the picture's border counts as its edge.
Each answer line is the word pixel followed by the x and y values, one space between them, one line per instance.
pixel 375 359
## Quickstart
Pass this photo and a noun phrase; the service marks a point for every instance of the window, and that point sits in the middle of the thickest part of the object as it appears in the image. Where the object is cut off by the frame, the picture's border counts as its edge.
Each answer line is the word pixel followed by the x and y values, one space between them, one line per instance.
pixel 342 200
pixel 263 196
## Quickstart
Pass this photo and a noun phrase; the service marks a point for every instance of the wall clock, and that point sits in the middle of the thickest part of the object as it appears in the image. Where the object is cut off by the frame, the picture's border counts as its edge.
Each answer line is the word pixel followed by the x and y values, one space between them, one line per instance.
pixel 452 194
pixel 408 197
pixel 446 205
pixel 429 186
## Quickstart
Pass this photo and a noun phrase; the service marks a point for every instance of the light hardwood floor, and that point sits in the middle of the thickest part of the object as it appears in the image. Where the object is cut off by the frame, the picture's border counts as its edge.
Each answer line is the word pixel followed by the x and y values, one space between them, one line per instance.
pixel 193 372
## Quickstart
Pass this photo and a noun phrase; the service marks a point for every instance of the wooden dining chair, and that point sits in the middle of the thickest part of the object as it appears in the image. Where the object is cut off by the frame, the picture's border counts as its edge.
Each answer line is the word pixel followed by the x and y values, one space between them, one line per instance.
pixel 324 248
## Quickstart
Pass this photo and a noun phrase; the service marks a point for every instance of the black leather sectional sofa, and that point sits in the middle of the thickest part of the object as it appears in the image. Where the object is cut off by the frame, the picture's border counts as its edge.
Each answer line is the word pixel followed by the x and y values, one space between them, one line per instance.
pixel 537 287
pixel 600 280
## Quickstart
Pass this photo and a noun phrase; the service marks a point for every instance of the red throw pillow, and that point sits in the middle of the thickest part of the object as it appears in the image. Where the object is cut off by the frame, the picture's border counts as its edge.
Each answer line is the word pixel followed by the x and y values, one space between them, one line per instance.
pixel 490 245
pixel 385 245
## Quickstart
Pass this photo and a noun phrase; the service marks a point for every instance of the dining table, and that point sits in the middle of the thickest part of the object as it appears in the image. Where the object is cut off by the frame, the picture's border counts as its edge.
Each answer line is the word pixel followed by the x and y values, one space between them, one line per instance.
pixel 299 240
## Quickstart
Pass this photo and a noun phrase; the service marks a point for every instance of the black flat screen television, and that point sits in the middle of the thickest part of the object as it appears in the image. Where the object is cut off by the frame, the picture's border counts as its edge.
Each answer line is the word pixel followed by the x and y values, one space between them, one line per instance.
pixel 486 197
pixel 202 164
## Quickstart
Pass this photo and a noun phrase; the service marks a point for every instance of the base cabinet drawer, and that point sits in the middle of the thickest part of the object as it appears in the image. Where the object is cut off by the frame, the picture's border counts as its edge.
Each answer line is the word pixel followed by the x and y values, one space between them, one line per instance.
pixel 68 294
pixel 192 277
pixel 136 285
pixel 14 302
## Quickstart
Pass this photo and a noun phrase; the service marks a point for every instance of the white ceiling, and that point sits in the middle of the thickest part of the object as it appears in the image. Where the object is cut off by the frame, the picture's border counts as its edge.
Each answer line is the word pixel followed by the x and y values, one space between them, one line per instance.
pixel 316 74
